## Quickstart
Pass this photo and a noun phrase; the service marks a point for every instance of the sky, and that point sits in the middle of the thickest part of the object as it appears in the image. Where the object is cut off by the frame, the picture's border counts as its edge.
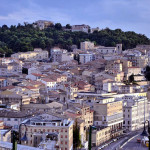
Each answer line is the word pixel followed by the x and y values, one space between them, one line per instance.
pixel 128 15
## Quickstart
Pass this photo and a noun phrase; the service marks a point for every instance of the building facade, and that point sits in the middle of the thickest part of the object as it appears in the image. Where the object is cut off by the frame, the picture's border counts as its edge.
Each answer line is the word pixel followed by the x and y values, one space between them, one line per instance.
pixel 46 123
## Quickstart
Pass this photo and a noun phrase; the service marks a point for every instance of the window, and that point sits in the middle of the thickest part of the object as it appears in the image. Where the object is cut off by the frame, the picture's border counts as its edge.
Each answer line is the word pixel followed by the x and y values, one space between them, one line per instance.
pixel 15 119
pixel 65 142
pixel 128 122
pixel 61 136
pixel 8 119
pixel 66 136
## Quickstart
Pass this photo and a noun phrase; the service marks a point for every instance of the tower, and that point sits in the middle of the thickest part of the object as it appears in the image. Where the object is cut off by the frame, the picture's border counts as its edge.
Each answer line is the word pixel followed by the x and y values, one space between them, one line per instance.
pixel 119 48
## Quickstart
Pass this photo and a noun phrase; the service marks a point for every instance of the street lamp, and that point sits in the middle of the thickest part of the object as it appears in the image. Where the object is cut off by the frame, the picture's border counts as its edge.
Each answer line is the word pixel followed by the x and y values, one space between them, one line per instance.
pixel 144 133
pixel 14 140
pixel 90 137
pixel 24 138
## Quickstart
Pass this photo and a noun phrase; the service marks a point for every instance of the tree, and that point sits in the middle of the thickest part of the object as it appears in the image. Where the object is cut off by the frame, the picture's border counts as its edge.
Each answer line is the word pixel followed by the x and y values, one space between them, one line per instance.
pixel 76 136
pixel 68 26
pixel 24 70
pixel 58 26
pixel 147 73
pixel 131 78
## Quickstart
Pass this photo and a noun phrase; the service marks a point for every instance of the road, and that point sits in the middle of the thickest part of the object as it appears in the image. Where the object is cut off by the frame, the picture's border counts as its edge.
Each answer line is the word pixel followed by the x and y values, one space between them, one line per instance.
pixel 133 145
pixel 127 145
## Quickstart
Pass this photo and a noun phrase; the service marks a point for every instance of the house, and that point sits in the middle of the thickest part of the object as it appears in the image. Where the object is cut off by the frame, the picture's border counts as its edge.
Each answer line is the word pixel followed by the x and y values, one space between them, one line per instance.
pixel 110 50
pixel 42 24
pixel 83 86
pixel 82 28
pixel 13 118
pixel 35 76
pixel 3 82
pixel 87 45
pixel 5 132
pixel 49 83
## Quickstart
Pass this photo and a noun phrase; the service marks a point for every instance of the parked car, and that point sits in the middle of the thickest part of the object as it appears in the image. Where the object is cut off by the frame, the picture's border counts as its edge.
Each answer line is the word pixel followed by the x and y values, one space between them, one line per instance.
pixel 138 140
pixel 114 140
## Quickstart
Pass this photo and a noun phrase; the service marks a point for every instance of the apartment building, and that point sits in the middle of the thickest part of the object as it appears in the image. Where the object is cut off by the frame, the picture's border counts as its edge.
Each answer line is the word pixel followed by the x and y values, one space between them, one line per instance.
pixel 48 124
pixel 37 54
pixel 132 70
pixel 11 68
pixel 137 60
pixel 135 112
pixel 84 58
pixel 87 45
pixel 56 54
pixel 109 112
pixel 8 97
pixel 116 66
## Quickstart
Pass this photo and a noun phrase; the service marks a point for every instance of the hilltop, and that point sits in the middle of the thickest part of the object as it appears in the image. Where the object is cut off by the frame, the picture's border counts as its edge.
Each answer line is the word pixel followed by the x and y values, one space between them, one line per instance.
pixel 24 38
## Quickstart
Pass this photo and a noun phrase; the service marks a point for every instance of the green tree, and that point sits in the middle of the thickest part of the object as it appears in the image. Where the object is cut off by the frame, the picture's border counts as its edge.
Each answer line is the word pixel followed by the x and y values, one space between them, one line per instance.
pixel 58 26
pixel 147 73
pixel 76 136
pixel 131 78
pixel 68 26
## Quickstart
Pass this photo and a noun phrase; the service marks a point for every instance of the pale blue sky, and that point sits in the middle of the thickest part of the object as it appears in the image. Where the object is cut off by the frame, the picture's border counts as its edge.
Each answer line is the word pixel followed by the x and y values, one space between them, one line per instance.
pixel 129 15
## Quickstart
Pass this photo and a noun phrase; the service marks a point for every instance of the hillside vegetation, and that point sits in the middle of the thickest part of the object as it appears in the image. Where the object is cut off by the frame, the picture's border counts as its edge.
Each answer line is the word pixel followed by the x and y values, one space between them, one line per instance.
pixel 24 38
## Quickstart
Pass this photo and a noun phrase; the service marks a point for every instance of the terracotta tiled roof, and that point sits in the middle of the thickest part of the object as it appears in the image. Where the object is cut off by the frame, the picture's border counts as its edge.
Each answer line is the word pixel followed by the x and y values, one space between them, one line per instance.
pixel 48 80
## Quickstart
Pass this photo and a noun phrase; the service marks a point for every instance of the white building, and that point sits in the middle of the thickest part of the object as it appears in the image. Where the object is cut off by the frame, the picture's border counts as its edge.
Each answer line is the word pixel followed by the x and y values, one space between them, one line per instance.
pixel 49 83
pixel 37 54
pixel 82 28
pixel 134 110
pixel 110 50
pixel 42 24
pixel 84 58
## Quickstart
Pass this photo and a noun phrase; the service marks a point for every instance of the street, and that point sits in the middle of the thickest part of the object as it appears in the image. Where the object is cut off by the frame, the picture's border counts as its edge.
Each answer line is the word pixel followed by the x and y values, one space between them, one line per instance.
pixel 133 145
pixel 128 142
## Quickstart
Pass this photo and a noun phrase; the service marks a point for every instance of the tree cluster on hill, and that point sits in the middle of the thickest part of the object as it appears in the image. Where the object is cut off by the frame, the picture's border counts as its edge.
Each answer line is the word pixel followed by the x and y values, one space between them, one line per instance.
pixel 22 38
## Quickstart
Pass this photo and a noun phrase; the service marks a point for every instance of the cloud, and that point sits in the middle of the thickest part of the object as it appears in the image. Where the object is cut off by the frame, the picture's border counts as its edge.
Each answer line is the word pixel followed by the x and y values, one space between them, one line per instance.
pixel 124 14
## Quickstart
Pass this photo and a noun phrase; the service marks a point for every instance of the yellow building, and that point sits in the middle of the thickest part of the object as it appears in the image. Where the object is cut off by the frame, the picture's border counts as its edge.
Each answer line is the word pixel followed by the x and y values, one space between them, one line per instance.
pixel 109 112
pixel 100 135
pixel 37 54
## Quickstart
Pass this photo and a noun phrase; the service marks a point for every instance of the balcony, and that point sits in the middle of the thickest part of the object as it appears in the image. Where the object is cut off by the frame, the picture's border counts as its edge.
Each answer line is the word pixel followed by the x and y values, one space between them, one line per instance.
pixel 117 130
